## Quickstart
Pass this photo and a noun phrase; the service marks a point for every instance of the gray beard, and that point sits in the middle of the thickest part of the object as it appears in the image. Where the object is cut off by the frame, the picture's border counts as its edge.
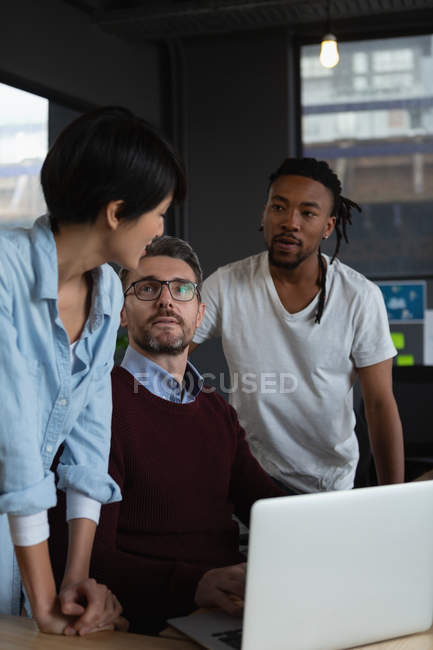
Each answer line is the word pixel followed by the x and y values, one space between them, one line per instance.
pixel 149 344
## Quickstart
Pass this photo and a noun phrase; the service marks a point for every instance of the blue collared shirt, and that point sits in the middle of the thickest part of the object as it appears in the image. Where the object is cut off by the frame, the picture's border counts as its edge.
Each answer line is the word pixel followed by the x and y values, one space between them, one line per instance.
pixel 159 382
pixel 45 402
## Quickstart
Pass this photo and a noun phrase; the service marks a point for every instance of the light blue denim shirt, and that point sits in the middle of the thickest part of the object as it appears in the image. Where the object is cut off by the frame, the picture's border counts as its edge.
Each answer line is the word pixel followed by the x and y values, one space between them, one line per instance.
pixel 159 382
pixel 44 402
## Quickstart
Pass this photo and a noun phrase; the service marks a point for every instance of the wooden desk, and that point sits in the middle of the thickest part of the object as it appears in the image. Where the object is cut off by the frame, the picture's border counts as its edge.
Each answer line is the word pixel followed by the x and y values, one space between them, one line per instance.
pixel 18 633
pixel 421 641
pixel 428 476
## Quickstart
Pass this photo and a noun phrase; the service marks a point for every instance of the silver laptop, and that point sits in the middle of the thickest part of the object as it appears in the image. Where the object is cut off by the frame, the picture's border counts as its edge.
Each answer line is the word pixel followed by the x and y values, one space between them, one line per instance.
pixel 330 571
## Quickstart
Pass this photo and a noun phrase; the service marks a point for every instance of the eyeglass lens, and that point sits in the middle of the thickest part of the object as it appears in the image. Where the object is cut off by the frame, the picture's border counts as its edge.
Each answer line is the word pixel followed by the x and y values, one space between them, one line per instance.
pixel 151 289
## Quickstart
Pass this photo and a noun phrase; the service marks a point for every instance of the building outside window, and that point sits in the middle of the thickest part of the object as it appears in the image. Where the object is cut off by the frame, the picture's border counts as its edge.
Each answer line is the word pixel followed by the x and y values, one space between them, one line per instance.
pixel 23 147
pixel 371 118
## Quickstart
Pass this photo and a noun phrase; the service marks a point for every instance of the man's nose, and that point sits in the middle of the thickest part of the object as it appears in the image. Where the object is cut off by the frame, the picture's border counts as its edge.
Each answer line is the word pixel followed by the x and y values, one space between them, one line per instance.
pixel 291 220
pixel 165 296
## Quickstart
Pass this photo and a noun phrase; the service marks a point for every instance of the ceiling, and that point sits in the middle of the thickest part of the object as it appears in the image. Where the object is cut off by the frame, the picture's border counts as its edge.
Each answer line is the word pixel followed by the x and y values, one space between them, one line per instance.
pixel 138 20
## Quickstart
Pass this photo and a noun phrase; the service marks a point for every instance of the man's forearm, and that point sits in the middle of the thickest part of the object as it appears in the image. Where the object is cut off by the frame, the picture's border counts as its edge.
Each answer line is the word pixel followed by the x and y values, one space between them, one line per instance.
pixel 386 439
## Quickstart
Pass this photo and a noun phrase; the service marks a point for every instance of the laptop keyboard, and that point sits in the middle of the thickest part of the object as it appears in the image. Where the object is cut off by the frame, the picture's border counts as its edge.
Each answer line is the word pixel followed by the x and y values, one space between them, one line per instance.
pixel 232 638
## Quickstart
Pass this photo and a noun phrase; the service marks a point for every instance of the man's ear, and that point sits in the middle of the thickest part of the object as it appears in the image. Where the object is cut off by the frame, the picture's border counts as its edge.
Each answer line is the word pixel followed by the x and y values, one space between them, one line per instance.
pixel 110 214
pixel 200 314
pixel 123 319
pixel 330 225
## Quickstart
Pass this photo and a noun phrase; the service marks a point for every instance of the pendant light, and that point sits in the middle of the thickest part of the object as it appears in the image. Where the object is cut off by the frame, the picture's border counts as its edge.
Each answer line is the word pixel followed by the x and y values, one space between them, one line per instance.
pixel 329 56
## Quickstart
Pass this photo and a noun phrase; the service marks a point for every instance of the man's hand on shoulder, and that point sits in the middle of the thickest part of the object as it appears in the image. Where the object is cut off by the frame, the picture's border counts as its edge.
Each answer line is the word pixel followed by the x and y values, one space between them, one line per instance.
pixel 223 588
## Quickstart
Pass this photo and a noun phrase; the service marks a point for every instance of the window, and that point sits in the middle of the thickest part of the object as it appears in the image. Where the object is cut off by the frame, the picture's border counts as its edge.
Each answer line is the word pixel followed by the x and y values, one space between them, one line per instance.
pixel 360 62
pixel 372 120
pixel 396 81
pixel 23 147
pixel 311 67
pixel 393 60
pixel 360 84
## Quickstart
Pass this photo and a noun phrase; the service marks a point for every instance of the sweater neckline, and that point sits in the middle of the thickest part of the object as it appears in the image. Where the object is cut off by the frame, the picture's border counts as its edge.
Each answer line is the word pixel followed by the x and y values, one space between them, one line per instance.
pixel 158 402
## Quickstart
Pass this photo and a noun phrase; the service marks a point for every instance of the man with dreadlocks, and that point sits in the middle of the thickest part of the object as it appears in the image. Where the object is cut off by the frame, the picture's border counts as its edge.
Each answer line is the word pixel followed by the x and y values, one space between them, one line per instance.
pixel 296 328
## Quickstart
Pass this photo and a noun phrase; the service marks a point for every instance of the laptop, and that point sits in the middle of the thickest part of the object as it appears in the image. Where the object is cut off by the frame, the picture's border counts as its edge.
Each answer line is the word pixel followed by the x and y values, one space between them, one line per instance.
pixel 330 571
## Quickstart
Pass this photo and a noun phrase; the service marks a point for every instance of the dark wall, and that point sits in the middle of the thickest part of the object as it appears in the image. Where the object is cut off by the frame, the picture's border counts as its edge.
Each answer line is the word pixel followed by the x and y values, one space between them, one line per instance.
pixel 237 108
pixel 55 47
pixel 58 118
pixel 237 125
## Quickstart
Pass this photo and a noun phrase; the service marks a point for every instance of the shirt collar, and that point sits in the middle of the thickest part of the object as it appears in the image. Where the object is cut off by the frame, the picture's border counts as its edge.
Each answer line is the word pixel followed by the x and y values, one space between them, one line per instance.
pixel 103 302
pixel 44 259
pixel 159 382
pixel 46 267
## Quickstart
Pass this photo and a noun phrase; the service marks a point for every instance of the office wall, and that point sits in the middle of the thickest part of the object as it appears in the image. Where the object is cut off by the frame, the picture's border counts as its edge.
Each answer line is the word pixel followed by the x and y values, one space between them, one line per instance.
pixel 57 47
pixel 237 107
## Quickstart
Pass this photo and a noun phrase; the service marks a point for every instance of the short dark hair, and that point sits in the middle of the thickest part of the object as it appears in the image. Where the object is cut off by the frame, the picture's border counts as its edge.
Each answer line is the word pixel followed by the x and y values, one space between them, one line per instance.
pixel 109 154
pixel 319 170
pixel 168 246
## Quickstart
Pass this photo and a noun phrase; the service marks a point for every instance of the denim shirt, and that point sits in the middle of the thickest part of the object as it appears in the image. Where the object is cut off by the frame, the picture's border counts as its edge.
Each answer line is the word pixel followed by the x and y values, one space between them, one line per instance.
pixel 45 402
pixel 159 382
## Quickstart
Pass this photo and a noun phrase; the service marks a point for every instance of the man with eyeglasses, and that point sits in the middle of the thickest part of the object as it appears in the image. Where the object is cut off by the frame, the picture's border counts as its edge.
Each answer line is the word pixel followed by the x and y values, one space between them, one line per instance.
pixel 178 454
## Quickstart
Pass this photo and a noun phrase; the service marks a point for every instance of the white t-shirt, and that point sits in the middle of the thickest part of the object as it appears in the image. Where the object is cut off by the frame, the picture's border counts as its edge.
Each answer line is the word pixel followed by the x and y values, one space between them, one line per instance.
pixel 291 378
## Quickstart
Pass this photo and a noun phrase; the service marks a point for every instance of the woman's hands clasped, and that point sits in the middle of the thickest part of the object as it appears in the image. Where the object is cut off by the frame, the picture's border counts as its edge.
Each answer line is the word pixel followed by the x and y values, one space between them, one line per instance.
pixel 82 608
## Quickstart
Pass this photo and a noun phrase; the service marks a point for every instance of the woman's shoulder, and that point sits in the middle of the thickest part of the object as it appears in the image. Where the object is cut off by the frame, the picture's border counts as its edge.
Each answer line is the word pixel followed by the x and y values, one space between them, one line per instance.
pixel 15 249
pixel 14 238
pixel 110 284
pixel 109 277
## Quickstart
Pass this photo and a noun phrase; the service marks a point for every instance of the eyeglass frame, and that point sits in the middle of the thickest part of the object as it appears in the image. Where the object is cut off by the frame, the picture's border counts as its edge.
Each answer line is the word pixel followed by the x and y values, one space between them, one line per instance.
pixel 163 283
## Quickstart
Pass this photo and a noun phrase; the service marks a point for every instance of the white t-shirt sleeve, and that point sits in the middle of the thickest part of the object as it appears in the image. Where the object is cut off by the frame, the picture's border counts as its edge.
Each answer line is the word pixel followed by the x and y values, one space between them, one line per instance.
pixel 27 530
pixel 372 341
pixel 211 325
pixel 78 506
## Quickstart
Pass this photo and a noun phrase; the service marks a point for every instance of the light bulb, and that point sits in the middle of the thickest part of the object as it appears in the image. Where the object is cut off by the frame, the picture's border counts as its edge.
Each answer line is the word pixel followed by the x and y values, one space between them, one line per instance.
pixel 329 56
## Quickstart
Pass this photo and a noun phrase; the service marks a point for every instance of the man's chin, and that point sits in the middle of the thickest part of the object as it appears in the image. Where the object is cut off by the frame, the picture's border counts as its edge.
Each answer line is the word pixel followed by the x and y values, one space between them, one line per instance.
pixel 154 345
pixel 168 350
pixel 283 262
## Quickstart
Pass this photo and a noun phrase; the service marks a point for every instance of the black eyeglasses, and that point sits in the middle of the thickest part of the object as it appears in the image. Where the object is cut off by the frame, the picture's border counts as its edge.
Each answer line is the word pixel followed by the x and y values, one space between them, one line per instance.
pixel 181 290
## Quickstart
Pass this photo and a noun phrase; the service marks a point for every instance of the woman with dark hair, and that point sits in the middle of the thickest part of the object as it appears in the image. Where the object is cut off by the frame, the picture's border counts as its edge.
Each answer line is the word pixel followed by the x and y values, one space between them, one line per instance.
pixel 107 182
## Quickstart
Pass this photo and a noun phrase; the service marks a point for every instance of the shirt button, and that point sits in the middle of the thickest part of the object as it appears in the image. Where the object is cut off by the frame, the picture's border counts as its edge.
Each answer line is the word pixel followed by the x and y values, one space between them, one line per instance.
pixel 49 448
pixel 63 402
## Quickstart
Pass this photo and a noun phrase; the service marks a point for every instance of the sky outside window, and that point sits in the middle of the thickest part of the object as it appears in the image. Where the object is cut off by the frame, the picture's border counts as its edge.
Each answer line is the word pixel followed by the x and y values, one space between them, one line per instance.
pixel 23 147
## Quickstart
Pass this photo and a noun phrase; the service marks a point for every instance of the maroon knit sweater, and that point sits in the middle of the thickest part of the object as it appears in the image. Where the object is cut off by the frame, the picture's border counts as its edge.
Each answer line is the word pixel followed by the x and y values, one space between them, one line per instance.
pixel 183 469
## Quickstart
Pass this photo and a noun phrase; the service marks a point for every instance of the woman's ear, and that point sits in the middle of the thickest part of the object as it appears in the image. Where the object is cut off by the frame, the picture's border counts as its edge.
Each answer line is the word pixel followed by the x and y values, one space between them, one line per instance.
pixel 110 214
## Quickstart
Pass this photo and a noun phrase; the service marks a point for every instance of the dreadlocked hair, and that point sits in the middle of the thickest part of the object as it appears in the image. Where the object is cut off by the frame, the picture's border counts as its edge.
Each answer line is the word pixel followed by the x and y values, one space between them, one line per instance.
pixel 319 170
